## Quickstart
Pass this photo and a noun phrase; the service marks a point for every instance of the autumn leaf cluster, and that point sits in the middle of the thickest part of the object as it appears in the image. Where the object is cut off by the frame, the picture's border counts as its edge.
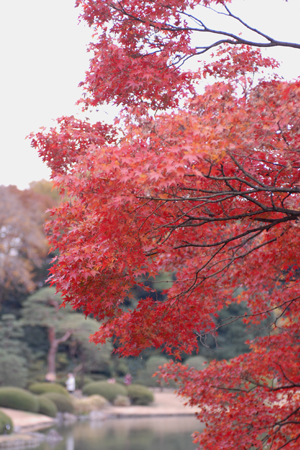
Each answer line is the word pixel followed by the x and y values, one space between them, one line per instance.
pixel 199 176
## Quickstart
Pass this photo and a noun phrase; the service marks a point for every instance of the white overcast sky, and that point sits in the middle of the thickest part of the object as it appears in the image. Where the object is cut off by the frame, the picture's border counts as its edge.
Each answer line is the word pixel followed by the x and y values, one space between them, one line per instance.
pixel 43 58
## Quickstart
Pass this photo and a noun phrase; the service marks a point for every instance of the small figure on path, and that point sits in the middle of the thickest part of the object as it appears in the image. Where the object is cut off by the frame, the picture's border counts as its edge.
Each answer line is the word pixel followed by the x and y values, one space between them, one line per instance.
pixel 128 379
pixel 70 383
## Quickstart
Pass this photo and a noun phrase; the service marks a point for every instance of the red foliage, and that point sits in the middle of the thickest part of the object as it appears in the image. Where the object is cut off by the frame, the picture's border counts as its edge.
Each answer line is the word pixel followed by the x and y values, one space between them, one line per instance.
pixel 208 189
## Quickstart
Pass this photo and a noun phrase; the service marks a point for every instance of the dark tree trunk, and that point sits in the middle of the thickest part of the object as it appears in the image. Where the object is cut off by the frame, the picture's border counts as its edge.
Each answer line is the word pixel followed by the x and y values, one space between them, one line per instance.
pixel 54 346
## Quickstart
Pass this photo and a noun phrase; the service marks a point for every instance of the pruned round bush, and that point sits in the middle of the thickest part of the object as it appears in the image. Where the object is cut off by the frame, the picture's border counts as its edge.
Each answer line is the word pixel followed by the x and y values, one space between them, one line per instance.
pixel 122 400
pixel 107 390
pixel 139 395
pixel 154 362
pixel 63 403
pixel 196 362
pixel 46 406
pixel 145 376
pixel 17 398
pixel 6 425
pixel 89 404
pixel 43 388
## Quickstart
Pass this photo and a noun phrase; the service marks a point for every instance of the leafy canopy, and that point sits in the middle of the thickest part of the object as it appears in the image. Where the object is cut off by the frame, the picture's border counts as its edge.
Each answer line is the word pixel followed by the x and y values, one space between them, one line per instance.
pixel 203 185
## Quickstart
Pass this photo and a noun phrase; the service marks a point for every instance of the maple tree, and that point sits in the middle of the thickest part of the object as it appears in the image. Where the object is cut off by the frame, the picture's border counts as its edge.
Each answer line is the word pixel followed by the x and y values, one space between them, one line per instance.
pixel 204 185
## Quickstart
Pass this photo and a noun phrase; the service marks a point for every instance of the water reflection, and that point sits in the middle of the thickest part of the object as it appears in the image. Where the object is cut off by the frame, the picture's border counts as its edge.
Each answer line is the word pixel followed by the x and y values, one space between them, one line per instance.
pixel 70 442
pixel 160 433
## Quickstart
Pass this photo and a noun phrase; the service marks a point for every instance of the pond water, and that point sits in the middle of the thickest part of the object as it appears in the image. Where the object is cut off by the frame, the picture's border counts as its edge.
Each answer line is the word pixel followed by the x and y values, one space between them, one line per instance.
pixel 159 433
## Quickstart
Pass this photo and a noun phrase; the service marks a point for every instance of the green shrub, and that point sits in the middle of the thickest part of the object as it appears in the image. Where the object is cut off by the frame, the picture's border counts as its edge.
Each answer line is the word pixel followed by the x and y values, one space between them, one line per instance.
pixel 6 425
pixel 139 395
pixel 46 406
pixel 17 398
pixel 107 390
pixel 120 380
pixel 63 403
pixel 122 400
pixel 145 376
pixel 154 362
pixel 89 404
pixel 196 362
pixel 43 388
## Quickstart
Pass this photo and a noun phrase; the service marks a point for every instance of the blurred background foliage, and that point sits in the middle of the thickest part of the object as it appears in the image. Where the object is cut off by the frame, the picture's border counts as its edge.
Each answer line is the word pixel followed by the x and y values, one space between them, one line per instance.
pixel 38 337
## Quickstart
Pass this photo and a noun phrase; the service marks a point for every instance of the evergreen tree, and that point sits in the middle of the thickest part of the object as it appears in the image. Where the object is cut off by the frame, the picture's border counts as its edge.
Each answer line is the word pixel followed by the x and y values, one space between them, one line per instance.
pixel 13 365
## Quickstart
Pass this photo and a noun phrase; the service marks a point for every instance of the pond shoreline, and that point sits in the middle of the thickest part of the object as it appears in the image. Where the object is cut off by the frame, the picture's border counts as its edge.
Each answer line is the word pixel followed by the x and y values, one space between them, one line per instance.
pixel 166 403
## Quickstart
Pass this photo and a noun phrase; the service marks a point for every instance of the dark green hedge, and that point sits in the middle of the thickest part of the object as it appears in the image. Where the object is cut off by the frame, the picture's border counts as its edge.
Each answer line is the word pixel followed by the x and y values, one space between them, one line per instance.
pixel 46 406
pixel 6 425
pixel 139 395
pixel 63 403
pixel 17 398
pixel 107 390
pixel 196 362
pixel 43 388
